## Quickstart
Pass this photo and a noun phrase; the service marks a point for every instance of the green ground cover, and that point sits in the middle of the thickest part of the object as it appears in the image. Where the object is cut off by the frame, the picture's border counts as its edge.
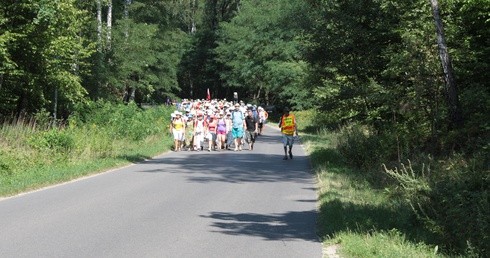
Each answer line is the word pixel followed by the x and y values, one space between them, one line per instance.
pixel 361 218
pixel 97 137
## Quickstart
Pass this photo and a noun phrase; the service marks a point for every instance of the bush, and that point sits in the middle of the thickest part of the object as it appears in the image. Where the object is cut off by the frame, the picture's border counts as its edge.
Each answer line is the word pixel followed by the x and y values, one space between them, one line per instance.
pixel 123 121
pixel 452 201
pixel 365 150
pixel 460 205
pixel 5 164
pixel 55 140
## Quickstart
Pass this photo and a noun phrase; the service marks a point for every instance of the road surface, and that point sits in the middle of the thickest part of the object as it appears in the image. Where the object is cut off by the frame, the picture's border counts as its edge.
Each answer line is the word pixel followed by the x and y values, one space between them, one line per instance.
pixel 180 204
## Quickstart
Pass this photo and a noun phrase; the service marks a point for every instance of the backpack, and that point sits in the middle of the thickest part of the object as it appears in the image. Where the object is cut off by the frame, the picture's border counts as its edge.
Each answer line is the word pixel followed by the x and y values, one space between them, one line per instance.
pixel 255 114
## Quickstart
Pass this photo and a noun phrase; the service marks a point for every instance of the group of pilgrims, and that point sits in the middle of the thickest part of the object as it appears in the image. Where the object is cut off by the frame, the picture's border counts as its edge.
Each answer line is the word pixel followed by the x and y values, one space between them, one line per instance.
pixel 216 125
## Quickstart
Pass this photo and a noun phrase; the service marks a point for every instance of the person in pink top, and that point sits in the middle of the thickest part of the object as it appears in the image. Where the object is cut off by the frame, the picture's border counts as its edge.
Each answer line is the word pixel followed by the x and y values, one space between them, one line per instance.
pixel 212 129
pixel 221 131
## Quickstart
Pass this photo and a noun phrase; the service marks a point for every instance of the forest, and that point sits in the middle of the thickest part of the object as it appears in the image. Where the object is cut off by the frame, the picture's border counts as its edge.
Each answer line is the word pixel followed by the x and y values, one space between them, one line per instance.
pixel 407 81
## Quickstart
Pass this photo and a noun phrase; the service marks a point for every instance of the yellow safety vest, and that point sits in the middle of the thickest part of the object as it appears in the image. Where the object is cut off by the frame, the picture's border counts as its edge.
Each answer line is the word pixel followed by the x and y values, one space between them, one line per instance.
pixel 287 124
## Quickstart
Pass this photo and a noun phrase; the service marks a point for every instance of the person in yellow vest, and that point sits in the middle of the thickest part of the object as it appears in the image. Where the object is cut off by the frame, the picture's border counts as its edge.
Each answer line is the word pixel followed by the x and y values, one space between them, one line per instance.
pixel 178 130
pixel 288 129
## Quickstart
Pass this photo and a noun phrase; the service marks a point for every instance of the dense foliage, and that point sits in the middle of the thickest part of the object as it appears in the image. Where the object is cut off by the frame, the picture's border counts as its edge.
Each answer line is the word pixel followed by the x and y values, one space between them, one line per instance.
pixel 375 64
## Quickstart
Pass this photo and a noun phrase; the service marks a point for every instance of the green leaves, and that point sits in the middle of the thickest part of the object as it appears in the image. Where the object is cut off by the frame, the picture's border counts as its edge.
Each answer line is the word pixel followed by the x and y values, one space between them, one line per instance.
pixel 261 52
pixel 44 51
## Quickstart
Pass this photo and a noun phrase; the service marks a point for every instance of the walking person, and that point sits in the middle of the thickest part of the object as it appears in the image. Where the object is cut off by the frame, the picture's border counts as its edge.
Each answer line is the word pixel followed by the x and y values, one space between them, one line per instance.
pixel 251 125
pixel 189 133
pixel 211 135
pixel 221 131
pixel 288 129
pixel 229 128
pixel 238 121
pixel 263 115
pixel 200 127
pixel 178 130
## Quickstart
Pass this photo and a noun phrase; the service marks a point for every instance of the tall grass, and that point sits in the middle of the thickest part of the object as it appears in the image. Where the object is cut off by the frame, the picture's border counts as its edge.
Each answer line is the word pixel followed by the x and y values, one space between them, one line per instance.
pixel 357 211
pixel 35 152
pixel 448 195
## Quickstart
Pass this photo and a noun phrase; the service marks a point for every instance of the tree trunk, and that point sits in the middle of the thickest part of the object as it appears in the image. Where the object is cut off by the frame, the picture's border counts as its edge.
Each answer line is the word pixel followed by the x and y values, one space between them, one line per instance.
pixel 126 8
pixel 126 16
pixel 267 102
pixel 451 90
pixel 258 93
pixel 109 24
pixel 22 103
pixel 99 26
pixel 194 7
pixel 131 94
pixel 213 14
pixel 100 57
pixel 191 84
pixel 55 107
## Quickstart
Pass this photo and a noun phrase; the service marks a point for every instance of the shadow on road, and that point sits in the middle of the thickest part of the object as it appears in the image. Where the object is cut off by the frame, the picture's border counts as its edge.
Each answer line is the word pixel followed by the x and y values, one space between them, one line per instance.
pixel 232 167
pixel 283 226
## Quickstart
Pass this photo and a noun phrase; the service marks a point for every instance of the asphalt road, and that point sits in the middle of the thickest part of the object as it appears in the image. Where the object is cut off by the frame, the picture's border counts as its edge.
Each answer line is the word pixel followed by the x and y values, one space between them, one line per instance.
pixel 180 204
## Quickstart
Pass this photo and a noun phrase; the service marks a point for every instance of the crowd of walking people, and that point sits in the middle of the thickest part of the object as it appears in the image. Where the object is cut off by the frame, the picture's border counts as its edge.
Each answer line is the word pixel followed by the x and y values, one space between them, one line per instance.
pixel 216 125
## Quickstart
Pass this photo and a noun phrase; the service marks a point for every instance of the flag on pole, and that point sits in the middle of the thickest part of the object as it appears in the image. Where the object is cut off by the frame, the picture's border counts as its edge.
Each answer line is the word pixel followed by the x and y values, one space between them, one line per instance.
pixel 208 97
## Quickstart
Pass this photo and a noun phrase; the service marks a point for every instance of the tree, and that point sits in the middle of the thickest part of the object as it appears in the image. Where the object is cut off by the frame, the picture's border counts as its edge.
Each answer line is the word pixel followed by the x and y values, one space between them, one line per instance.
pixel 261 52
pixel 199 69
pixel 44 53
pixel 145 53
pixel 346 56
pixel 451 90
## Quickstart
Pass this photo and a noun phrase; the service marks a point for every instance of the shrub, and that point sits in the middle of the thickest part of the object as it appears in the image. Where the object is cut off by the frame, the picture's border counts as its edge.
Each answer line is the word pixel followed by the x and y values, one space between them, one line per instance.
pixel 363 149
pixel 55 139
pixel 452 201
pixel 124 121
pixel 5 164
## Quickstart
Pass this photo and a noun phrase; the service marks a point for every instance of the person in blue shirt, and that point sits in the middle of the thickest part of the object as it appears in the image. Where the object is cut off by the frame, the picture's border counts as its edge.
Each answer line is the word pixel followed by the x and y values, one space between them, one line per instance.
pixel 238 124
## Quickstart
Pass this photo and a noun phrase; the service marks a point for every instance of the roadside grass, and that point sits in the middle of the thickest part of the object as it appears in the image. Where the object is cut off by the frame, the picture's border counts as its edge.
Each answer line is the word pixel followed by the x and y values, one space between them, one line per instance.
pixel 356 216
pixel 32 158
pixel 382 244
pixel 35 175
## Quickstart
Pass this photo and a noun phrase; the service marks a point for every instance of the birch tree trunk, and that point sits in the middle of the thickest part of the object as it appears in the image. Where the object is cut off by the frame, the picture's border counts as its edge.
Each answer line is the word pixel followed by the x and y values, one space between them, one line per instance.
pixel 129 90
pixel 99 46
pixel 99 26
pixel 109 24
pixel 194 6
pixel 451 90
pixel 126 16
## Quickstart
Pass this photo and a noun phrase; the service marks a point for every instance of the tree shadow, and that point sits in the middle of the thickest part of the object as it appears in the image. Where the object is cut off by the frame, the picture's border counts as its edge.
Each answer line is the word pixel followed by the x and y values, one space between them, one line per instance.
pixel 288 226
pixel 236 167
pixel 336 216
pixel 339 215
pixel 233 167
pixel 135 158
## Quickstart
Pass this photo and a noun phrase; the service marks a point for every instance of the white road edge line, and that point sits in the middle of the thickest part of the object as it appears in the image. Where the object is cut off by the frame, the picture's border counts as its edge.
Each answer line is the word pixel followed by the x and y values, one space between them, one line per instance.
pixel 112 170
